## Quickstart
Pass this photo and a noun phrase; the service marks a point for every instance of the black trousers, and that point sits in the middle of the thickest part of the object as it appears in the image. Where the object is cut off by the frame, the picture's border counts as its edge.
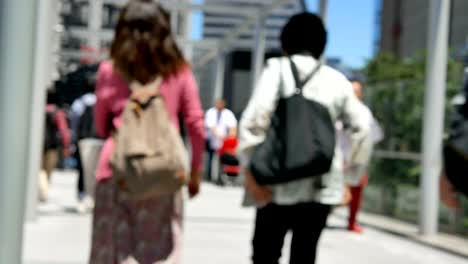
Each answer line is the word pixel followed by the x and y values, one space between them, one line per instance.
pixel 209 166
pixel 306 221
pixel 79 167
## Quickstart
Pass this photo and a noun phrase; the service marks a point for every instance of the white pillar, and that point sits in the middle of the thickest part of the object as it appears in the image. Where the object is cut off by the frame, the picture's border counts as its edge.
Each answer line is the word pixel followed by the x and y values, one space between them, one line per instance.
pixel 323 13
pixel 186 33
pixel 95 23
pixel 17 24
pixel 258 51
pixel 42 73
pixel 436 73
pixel 323 10
pixel 219 77
pixel 56 38
pixel 175 21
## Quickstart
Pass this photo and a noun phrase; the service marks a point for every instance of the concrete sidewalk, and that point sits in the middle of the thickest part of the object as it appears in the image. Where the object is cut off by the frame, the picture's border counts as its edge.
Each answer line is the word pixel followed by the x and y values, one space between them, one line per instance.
pixel 217 231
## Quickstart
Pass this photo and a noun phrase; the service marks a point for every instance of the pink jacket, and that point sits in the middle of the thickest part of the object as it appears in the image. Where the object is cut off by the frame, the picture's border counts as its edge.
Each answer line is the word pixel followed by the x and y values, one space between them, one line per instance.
pixel 181 97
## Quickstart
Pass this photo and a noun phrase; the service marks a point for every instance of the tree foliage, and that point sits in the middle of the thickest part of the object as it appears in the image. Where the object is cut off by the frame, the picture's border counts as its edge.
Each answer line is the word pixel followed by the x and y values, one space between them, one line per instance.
pixel 395 93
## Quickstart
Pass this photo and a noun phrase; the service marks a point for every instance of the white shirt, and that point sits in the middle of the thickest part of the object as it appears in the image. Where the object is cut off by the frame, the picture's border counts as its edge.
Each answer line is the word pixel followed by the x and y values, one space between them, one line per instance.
pixel 79 106
pixel 222 122
pixel 328 87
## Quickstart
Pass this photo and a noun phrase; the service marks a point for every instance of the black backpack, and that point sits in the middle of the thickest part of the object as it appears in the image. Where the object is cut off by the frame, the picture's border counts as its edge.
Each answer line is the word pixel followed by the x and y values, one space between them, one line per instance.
pixel 86 127
pixel 300 142
pixel 456 149
pixel 51 138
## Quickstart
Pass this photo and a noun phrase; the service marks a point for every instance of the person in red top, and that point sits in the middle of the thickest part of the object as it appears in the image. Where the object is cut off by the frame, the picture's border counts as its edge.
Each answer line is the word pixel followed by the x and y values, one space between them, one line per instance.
pixel 56 137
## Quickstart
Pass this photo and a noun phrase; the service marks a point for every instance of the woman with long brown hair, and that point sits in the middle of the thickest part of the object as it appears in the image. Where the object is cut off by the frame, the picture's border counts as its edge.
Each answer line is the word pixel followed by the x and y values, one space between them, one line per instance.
pixel 143 50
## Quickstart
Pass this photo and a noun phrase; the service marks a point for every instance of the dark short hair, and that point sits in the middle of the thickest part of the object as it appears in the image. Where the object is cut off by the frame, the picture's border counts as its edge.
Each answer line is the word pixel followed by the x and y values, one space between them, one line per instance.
pixel 304 33
pixel 144 46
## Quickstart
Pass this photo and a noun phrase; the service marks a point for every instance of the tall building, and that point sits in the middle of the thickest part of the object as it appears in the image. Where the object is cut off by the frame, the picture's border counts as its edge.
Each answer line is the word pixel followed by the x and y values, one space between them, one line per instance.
pixel 404 26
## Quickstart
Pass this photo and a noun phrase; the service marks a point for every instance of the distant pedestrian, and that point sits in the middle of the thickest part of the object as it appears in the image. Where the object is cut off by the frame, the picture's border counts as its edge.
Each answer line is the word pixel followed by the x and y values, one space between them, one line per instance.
pixel 147 73
pixel 220 122
pixel 88 147
pixel 359 171
pixel 301 203
pixel 56 138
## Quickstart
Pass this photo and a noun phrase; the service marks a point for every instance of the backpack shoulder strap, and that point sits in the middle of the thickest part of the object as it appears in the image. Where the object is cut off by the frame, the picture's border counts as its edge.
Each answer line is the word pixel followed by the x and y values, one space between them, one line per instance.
pixel 142 93
pixel 300 84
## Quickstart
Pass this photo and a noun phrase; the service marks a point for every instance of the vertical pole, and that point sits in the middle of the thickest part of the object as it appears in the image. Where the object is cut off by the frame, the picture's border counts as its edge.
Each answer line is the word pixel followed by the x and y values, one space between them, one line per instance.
pixel 95 24
pixel 186 33
pixel 323 10
pixel 219 77
pixel 258 51
pixel 17 24
pixel 56 24
pixel 42 63
pixel 175 21
pixel 434 114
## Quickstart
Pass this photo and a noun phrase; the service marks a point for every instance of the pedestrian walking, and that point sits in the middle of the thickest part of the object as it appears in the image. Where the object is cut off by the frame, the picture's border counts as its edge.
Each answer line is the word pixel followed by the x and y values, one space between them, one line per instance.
pixel 88 147
pixel 56 138
pixel 147 79
pixel 293 167
pixel 359 171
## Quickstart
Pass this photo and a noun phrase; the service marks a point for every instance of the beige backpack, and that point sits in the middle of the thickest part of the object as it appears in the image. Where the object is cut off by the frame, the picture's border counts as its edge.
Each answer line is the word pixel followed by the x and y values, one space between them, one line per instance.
pixel 149 157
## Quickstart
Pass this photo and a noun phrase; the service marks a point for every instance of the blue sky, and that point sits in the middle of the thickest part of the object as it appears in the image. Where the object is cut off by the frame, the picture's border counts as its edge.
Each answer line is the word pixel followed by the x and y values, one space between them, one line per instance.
pixel 352 27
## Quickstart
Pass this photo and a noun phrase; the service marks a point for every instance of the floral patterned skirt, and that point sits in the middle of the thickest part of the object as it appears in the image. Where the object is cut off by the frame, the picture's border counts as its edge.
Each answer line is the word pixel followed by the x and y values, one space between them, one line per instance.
pixel 144 232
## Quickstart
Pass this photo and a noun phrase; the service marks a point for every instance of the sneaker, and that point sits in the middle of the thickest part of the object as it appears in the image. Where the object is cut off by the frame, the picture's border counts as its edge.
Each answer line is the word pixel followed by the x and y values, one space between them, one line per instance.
pixel 81 208
pixel 89 202
pixel 356 229
pixel 85 205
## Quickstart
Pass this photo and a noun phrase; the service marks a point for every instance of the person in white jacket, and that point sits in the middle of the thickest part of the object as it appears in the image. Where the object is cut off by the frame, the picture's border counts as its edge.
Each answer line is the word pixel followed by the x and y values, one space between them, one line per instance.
pixel 357 172
pixel 301 206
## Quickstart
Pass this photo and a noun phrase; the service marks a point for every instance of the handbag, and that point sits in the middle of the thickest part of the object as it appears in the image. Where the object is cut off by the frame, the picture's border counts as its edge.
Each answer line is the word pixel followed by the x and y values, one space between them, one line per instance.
pixel 300 142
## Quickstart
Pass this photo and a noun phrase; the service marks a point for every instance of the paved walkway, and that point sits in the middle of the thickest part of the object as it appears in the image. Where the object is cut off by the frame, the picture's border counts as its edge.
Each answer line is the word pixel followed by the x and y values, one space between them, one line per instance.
pixel 217 231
